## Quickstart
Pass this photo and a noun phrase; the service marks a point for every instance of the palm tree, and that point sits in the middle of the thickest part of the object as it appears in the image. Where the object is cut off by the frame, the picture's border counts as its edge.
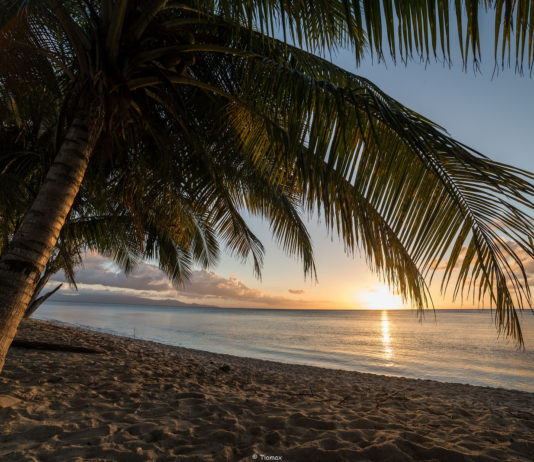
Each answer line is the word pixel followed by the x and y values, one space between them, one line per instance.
pixel 234 99
pixel 142 210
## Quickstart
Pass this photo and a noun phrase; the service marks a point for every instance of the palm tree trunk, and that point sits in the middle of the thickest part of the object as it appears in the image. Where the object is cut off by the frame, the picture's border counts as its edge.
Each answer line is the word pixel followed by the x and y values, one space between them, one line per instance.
pixel 24 260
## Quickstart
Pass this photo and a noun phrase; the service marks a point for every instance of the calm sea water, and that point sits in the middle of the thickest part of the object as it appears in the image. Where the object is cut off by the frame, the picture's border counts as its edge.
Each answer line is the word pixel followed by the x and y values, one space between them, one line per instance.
pixel 454 346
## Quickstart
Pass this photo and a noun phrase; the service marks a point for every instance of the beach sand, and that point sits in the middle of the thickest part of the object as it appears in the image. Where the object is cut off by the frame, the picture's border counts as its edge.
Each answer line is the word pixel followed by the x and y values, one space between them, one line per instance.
pixel 138 400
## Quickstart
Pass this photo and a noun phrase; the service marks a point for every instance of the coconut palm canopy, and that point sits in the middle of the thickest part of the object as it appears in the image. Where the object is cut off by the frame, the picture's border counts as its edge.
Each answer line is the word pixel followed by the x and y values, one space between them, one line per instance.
pixel 229 105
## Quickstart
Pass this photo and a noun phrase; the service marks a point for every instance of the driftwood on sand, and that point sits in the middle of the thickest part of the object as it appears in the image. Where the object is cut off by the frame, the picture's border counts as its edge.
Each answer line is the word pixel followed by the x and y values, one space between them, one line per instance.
pixel 52 346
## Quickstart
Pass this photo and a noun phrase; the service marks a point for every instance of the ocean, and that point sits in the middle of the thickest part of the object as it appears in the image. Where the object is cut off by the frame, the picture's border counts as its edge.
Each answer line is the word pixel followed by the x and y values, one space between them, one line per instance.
pixel 447 345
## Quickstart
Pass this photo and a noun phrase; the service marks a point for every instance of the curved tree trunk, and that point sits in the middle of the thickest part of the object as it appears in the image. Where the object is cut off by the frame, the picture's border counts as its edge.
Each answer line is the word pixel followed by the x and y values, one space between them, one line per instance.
pixel 23 262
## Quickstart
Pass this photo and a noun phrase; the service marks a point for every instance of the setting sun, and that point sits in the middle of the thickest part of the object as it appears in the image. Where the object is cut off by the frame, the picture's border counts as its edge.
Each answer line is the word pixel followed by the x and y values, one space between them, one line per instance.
pixel 379 297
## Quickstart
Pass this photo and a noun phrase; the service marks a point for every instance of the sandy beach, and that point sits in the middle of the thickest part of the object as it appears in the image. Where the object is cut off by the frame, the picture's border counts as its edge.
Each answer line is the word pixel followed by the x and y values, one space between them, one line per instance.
pixel 135 400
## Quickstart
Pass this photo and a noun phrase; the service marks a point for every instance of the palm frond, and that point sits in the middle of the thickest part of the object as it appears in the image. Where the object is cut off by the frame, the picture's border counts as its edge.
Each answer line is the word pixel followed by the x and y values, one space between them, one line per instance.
pixel 436 194
pixel 409 28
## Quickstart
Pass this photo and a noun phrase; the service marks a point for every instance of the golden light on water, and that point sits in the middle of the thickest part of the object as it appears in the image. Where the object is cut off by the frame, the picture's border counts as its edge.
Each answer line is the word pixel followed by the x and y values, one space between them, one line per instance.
pixel 386 337
pixel 379 297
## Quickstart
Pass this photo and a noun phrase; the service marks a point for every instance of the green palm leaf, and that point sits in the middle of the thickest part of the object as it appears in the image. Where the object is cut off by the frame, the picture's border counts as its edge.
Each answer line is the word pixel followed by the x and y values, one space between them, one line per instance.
pixel 410 28
pixel 438 196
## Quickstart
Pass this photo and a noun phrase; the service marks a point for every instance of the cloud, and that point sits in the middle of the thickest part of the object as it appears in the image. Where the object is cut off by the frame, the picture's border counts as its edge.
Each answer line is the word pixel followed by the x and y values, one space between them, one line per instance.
pixel 211 284
pixel 444 262
pixel 100 281
pixel 526 260
pixel 99 270
pixel 295 291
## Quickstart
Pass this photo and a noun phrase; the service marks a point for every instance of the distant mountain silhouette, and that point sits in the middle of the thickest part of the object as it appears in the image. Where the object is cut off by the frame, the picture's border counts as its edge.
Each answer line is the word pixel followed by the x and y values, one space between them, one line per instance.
pixel 119 299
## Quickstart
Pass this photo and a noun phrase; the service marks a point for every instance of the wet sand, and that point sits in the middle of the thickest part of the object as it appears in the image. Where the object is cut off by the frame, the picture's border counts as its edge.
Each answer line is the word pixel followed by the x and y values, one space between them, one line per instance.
pixel 136 400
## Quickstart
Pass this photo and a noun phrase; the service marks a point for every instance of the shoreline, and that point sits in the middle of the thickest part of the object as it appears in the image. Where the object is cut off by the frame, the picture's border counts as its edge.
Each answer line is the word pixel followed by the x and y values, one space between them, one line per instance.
pixel 249 358
pixel 143 400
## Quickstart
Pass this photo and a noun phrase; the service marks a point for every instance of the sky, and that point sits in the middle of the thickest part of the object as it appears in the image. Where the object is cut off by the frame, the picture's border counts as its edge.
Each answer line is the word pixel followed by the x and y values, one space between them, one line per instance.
pixel 490 112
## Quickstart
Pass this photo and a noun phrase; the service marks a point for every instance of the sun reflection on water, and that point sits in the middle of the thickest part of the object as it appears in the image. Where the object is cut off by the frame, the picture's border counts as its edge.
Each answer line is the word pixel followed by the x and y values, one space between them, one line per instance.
pixel 386 337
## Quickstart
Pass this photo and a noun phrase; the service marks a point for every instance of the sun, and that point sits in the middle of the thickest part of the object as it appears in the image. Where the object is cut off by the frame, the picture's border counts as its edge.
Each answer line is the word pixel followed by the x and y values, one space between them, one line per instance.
pixel 380 297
